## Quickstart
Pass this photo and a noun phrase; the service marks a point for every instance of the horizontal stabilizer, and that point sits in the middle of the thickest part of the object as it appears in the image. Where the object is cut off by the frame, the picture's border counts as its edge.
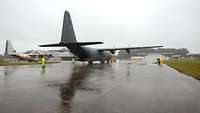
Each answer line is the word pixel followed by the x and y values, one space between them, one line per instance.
pixel 53 45
pixel 73 43
pixel 88 43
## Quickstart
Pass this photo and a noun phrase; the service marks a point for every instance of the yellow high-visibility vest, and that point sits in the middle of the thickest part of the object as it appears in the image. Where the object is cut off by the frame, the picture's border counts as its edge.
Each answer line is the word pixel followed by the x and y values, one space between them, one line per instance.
pixel 43 61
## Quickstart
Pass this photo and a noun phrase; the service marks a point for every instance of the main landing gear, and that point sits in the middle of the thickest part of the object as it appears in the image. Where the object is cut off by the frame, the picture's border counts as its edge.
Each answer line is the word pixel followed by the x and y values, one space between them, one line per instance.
pixel 90 62
pixel 107 61
pixel 102 62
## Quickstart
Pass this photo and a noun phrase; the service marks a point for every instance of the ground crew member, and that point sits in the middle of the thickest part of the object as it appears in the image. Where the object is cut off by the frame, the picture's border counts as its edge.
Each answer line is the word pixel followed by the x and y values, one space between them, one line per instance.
pixel 158 61
pixel 161 61
pixel 73 60
pixel 43 62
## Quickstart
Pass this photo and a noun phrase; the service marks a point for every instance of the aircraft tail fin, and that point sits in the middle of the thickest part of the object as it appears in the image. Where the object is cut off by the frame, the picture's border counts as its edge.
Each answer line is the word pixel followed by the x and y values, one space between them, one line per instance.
pixel 68 35
pixel 9 48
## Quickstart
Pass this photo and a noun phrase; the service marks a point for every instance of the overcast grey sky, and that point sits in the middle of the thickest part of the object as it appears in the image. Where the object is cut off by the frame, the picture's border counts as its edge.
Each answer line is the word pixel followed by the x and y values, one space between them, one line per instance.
pixel 119 23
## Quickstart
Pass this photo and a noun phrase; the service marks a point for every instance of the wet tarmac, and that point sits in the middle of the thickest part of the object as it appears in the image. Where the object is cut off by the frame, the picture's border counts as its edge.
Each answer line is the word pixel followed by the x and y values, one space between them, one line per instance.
pixel 99 88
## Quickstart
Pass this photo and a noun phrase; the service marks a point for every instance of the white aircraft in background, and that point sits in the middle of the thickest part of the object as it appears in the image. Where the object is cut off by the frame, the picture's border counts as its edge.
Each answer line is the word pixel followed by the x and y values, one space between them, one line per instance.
pixel 29 56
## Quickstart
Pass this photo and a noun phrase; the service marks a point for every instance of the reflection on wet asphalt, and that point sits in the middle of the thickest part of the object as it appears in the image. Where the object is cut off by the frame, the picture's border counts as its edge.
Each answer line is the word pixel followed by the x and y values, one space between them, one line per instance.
pixel 97 88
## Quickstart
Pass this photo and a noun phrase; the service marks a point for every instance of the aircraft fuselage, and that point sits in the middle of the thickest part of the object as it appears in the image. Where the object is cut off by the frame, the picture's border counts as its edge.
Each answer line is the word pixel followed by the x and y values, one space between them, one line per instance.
pixel 89 54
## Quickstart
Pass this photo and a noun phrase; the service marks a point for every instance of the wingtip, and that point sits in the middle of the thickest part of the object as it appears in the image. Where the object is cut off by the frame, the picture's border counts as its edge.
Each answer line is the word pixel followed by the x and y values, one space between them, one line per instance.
pixel 159 46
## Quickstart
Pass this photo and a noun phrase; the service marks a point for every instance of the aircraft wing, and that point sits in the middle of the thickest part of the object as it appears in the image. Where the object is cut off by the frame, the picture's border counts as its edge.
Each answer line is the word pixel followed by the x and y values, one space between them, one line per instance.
pixel 112 50
pixel 71 43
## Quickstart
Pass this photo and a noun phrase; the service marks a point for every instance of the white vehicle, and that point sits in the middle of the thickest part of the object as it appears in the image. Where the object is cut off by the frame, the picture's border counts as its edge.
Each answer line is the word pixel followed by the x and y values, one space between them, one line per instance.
pixel 138 60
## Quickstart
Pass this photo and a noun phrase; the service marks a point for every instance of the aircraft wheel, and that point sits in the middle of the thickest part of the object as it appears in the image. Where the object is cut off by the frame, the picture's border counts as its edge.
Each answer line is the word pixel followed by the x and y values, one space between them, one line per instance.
pixel 102 62
pixel 90 62
pixel 107 61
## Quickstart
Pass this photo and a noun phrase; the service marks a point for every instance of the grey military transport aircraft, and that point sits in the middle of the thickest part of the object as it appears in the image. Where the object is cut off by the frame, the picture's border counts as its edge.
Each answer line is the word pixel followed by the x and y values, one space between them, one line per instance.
pixel 83 53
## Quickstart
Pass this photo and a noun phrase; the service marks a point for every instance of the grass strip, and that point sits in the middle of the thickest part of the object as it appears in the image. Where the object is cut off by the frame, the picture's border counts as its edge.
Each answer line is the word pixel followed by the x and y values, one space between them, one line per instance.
pixel 186 66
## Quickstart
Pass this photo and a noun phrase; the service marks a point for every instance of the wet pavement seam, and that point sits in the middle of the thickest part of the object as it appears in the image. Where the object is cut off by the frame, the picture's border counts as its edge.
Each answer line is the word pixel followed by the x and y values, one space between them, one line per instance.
pixel 103 95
